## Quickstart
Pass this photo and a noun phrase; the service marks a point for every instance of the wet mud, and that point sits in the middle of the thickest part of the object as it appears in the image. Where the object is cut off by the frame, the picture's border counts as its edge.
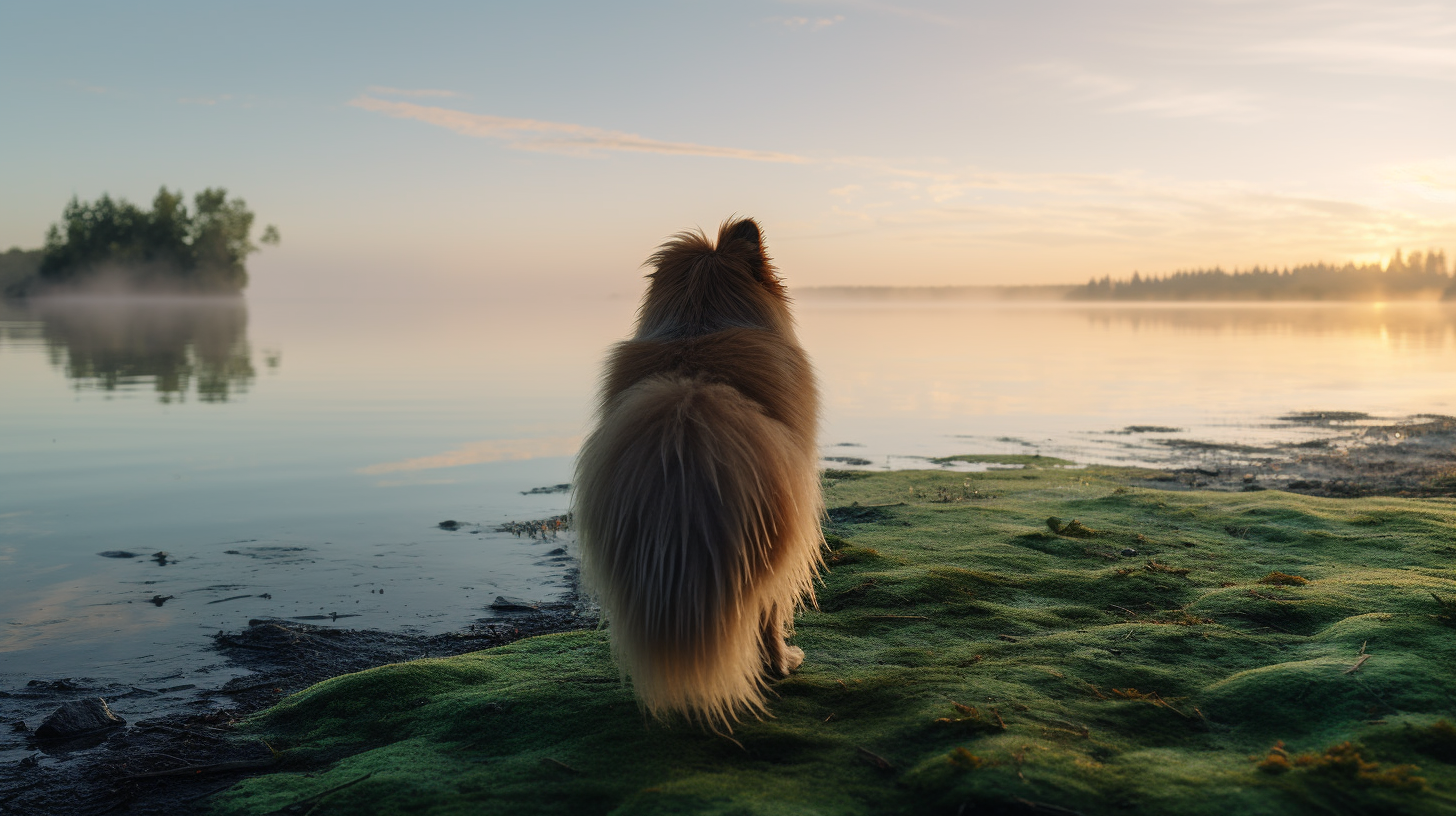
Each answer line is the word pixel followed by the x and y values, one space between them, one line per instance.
pixel 169 763
pixel 1355 455
pixel 169 743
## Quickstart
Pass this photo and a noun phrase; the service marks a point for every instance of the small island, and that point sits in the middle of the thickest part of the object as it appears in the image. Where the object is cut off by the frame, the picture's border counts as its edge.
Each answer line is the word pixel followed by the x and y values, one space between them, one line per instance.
pixel 111 246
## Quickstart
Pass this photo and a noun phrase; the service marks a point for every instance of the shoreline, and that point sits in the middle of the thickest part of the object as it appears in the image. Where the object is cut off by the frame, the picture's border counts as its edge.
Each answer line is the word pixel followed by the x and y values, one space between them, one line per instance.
pixel 1023 640
pixel 164 763
pixel 160 764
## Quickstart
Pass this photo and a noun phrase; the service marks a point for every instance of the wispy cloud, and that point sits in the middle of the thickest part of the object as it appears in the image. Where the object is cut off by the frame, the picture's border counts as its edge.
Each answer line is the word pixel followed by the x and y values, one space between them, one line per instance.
pixel 892 9
pixel 385 90
pixel 808 23
pixel 1431 180
pixel 87 87
pixel 1118 217
pixel 1162 99
pixel 1227 105
pixel 1379 38
pixel 207 101
pixel 1355 56
pixel 557 137
pixel 1138 217
pixel 490 450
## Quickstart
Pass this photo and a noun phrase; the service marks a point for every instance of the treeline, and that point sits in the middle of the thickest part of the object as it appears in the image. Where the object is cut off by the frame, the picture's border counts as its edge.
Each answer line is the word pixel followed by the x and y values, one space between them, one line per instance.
pixel 17 268
pixel 113 245
pixel 1419 276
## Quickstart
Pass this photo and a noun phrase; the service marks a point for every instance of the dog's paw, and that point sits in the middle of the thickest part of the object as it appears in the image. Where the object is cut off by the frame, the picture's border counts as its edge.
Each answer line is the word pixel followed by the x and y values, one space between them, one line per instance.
pixel 793 659
pixel 782 664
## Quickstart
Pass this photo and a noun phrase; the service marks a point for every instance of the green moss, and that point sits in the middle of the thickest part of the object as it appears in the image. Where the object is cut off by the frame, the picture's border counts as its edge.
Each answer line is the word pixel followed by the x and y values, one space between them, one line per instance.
pixel 963 652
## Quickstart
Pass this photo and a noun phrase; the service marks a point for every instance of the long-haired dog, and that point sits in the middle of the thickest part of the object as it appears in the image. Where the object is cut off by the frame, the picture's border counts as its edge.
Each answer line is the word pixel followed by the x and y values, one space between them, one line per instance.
pixel 697 495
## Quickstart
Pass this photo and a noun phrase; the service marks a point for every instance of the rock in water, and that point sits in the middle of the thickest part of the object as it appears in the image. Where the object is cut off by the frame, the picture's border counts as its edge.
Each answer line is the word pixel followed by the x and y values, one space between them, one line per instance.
pixel 78 717
pixel 505 603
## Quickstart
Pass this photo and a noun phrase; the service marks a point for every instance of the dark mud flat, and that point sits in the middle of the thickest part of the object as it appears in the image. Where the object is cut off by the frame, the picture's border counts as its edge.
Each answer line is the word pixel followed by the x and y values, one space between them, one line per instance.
pixel 169 763
pixel 176 743
pixel 1360 456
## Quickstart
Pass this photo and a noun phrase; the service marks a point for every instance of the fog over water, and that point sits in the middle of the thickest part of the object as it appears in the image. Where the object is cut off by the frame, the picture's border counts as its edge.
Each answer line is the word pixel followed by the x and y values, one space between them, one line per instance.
pixel 294 458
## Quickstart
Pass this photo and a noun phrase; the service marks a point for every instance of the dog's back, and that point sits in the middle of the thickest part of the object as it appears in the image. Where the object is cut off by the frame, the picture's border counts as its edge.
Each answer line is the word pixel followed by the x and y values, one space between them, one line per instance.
pixel 697 496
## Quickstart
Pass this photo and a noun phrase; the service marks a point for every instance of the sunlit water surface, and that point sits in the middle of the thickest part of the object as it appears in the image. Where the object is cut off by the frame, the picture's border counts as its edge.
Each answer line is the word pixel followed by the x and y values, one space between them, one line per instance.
pixel 294 458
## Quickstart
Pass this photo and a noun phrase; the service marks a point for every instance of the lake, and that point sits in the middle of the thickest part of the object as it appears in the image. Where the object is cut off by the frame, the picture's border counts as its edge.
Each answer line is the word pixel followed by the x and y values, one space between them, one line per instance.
pixel 293 459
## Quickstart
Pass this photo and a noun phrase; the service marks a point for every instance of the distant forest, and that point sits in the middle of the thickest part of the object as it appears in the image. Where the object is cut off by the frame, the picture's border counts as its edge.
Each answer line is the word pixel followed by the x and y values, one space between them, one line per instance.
pixel 112 245
pixel 1414 277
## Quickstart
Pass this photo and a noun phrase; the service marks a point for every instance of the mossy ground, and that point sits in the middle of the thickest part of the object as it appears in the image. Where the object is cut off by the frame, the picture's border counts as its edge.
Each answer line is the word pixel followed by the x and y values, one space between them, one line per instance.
pixel 963 652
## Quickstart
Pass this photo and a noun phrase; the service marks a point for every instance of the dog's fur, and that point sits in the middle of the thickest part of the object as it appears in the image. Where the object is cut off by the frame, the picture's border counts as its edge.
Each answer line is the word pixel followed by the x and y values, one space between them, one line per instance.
pixel 697 496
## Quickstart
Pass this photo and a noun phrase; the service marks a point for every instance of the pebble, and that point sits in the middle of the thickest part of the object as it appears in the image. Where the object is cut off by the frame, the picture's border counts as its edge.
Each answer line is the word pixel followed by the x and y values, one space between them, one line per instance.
pixel 78 717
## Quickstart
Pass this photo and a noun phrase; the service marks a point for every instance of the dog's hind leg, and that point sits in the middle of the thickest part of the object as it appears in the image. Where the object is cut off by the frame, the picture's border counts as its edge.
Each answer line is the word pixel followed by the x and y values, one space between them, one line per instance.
pixel 779 658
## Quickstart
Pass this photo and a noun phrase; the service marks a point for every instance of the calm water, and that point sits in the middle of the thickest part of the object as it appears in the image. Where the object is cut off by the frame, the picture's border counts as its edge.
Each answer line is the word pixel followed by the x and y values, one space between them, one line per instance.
pixel 294 458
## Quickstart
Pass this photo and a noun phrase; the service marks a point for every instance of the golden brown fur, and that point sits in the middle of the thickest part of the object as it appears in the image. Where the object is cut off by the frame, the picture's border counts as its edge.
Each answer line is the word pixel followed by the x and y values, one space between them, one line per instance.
pixel 697 496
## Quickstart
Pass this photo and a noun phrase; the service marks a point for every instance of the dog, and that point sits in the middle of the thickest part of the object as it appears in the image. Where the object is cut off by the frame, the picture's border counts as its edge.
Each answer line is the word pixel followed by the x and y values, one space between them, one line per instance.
pixel 697 499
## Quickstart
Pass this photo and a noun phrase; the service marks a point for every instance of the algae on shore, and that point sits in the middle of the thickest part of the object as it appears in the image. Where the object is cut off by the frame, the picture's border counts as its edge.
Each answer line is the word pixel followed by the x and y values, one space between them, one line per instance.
pixel 963 652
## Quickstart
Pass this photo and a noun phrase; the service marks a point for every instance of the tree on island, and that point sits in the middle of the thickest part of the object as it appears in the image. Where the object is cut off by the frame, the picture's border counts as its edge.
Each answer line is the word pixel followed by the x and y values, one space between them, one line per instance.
pixel 113 244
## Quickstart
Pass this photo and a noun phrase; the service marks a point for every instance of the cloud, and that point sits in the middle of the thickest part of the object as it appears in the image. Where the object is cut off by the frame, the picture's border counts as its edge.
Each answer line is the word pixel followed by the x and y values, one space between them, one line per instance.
pixel 88 88
pixel 385 90
pixel 558 137
pixel 204 100
pixel 1227 105
pixel 893 9
pixel 1118 95
pixel 1431 180
pixel 1342 55
pixel 931 205
pixel 1058 225
pixel 1376 39
pixel 808 23
pixel 414 482
pixel 490 450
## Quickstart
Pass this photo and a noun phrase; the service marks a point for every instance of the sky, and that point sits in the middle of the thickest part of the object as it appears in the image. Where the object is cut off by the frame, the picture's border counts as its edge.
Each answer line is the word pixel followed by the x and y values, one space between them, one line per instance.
pixel 549 146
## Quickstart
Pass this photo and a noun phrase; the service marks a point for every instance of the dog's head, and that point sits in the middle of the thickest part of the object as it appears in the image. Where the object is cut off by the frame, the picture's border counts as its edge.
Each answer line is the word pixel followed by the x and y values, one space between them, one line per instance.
pixel 698 287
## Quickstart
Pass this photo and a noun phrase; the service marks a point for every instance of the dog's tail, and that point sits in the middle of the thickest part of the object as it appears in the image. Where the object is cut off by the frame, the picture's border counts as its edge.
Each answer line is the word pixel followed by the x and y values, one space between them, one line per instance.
pixel 699 525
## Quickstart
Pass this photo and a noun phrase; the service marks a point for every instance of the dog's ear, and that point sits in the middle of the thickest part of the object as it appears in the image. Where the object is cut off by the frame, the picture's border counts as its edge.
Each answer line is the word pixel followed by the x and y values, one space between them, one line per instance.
pixel 742 237
pixel 743 230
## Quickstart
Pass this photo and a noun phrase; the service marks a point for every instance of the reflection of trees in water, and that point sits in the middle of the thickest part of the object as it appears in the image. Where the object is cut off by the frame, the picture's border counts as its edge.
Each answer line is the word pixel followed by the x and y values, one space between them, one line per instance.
pixel 1427 327
pixel 178 345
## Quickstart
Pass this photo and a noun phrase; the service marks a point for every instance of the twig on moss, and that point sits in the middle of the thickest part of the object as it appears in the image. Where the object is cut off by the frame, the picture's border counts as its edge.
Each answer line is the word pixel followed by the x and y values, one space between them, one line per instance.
pixel 556 763
pixel 220 767
pixel 874 758
pixel 297 807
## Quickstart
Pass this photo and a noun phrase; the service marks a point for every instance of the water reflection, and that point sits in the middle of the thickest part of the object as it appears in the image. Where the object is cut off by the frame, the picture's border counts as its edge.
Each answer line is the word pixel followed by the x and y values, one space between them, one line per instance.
pixel 922 378
pixel 1411 326
pixel 179 347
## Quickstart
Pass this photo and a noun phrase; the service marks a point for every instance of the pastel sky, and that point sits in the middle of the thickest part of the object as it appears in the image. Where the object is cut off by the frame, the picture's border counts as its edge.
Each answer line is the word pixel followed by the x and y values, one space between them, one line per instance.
pixel 486 146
